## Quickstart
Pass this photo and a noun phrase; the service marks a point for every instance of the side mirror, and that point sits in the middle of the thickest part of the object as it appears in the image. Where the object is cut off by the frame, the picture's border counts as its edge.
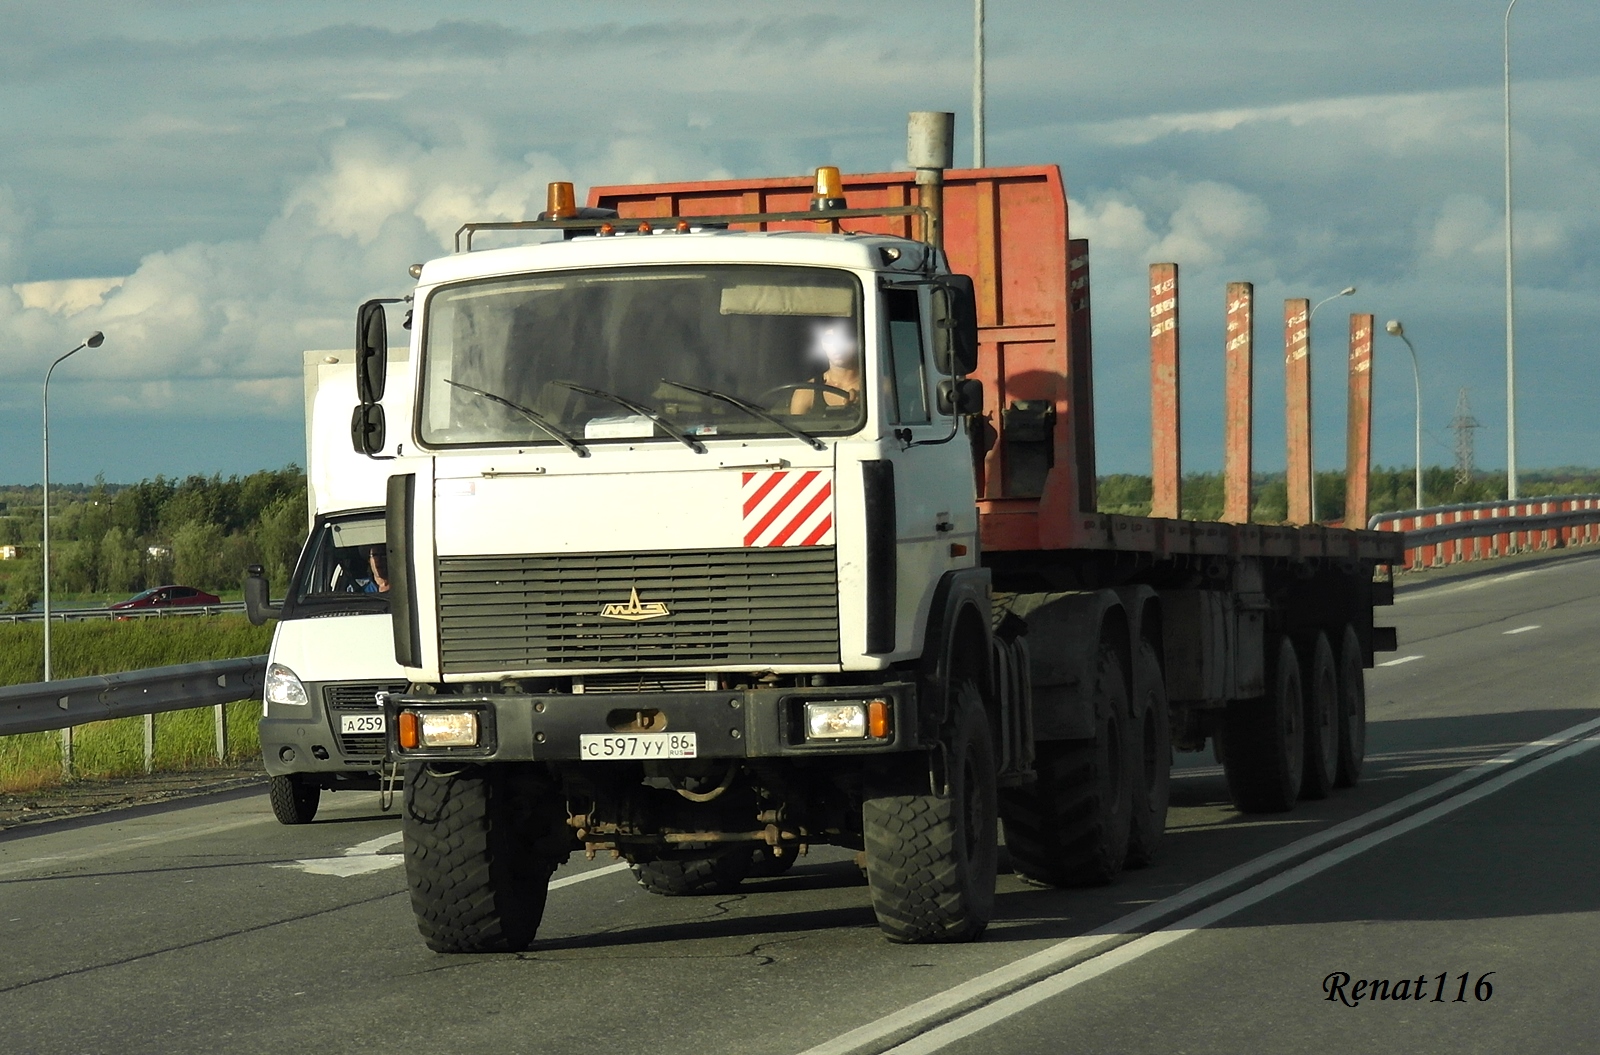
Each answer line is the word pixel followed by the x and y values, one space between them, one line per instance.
pixel 964 396
pixel 367 429
pixel 372 350
pixel 955 325
pixel 256 605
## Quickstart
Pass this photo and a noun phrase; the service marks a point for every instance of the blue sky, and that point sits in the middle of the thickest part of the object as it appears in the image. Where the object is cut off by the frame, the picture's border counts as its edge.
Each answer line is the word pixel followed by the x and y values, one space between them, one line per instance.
pixel 216 186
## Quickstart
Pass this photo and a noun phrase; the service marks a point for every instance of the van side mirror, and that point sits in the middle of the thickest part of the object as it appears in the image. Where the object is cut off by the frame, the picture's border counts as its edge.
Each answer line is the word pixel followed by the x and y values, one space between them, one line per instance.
pixel 955 325
pixel 372 350
pixel 256 605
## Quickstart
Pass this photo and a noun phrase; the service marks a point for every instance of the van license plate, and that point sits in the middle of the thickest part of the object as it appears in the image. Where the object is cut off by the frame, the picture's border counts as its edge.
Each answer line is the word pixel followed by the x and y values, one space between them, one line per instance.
pixel 625 746
pixel 361 723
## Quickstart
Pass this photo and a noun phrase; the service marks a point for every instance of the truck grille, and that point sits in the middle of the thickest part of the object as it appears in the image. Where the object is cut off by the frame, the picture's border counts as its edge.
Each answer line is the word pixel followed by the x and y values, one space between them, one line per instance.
pixel 775 605
pixel 357 696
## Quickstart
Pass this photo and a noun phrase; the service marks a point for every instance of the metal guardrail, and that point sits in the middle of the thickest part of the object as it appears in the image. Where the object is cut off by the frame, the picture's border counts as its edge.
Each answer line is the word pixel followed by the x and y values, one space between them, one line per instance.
pixel 1439 535
pixel 77 701
pixel 73 615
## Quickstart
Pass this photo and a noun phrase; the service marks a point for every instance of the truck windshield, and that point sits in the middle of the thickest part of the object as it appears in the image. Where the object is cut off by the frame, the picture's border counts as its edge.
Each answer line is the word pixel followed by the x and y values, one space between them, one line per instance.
pixel 343 568
pixel 785 339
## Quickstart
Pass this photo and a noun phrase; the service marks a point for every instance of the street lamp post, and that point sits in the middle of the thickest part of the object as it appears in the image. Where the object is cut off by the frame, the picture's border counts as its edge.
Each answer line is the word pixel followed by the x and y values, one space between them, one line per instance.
pixel 1345 292
pixel 1511 310
pixel 1399 331
pixel 977 84
pixel 94 340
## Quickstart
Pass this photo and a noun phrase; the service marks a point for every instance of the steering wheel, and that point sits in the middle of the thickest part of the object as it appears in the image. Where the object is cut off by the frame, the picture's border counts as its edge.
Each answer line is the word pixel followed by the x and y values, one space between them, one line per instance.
pixel 815 386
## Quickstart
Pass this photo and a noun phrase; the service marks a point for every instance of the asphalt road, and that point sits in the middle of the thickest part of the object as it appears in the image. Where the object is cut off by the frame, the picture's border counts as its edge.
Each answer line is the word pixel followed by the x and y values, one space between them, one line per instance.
pixel 209 927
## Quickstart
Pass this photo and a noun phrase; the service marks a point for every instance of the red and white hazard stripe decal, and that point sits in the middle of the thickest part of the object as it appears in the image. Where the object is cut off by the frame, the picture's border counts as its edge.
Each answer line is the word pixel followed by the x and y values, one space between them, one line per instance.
pixel 788 508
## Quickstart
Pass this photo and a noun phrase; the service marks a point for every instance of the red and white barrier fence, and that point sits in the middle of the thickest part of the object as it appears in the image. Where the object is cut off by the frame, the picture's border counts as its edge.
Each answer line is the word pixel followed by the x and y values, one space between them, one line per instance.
pixel 1444 535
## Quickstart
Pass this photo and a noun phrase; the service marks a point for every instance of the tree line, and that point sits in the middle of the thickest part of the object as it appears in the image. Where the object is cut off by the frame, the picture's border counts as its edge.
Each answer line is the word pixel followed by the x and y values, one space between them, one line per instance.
pixel 111 539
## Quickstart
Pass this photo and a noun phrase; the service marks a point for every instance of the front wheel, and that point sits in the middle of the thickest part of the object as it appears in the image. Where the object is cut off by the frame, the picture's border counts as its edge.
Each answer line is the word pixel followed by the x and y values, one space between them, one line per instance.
pixel 294 799
pixel 931 857
pixel 480 844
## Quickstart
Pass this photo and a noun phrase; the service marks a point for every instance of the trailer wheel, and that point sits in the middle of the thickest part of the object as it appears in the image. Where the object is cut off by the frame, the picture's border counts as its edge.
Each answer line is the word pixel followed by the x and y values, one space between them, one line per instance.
pixel 698 869
pixel 1352 710
pixel 1265 739
pixel 931 858
pixel 294 799
pixel 1321 682
pixel 1152 759
pixel 479 852
pixel 1071 826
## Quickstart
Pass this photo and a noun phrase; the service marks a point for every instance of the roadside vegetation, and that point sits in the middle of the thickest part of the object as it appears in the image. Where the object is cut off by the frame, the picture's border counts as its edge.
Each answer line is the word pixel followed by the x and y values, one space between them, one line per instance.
pixel 109 541
pixel 184 739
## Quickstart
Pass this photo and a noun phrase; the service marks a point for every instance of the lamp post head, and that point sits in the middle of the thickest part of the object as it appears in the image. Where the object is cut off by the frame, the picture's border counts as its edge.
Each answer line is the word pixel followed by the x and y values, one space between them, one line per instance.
pixel 1347 291
pixel 96 339
pixel 1394 327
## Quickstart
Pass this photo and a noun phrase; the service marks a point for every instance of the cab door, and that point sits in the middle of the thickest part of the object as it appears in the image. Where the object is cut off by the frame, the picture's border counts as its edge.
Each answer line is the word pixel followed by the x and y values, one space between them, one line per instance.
pixel 936 518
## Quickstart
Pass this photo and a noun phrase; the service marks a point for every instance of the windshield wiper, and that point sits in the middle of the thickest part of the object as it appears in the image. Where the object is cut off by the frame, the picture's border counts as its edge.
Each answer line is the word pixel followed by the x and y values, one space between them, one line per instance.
pixel 532 415
pixel 639 408
pixel 752 410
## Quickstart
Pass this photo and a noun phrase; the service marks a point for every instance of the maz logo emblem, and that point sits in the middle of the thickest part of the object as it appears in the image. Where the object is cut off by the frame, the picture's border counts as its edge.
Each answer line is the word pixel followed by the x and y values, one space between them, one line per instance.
pixel 634 611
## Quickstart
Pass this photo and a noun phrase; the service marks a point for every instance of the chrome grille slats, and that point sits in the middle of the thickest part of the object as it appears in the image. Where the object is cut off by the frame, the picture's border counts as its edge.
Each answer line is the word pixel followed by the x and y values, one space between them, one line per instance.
pixel 733 606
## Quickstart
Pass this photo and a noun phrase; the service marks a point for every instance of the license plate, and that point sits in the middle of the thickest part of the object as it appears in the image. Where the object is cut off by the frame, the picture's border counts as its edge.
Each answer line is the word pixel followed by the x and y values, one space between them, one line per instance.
pixel 624 746
pixel 361 723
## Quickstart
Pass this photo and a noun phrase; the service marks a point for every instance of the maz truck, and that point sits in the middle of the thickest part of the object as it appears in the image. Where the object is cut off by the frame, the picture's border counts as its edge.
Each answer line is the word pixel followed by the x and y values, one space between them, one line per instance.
pixel 743 516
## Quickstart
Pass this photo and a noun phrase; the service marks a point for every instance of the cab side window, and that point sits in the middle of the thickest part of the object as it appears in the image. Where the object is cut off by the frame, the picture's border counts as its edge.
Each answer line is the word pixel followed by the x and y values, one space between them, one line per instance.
pixel 902 309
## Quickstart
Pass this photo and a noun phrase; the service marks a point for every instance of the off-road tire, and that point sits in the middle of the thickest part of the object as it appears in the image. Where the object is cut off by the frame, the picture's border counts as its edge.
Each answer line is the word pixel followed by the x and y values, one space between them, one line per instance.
pixel 1071 826
pixel 1352 710
pixel 1152 758
pixel 294 799
pixel 1320 676
pixel 1265 739
pixel 931 857
pixel 480 844
pixel 764 864
pixel 697 869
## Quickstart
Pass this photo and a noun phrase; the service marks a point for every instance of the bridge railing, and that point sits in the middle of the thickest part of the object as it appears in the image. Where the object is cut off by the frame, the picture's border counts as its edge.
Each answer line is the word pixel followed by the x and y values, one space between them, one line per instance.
pixel 1439 536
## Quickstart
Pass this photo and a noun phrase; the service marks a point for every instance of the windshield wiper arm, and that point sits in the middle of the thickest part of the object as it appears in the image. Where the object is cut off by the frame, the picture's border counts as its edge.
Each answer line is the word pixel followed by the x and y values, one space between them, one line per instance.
pixel 532 415
pixel 751 409
pixel 639 408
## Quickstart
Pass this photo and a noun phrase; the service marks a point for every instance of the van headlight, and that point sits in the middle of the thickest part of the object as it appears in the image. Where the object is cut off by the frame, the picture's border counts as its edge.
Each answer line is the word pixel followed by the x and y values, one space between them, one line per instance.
pixel 284 689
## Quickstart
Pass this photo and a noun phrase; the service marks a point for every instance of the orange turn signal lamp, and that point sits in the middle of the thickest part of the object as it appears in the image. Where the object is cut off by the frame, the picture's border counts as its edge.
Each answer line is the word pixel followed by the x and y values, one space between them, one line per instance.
pixel 878 719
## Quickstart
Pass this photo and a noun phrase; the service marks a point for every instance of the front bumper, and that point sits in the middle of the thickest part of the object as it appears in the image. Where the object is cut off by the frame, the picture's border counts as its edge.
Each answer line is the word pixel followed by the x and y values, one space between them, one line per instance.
pixel 737 723
pixel 310 739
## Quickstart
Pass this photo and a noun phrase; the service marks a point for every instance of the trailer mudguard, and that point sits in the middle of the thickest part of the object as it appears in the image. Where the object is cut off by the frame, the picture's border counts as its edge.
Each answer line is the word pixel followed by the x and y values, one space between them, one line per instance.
pixel 1064 631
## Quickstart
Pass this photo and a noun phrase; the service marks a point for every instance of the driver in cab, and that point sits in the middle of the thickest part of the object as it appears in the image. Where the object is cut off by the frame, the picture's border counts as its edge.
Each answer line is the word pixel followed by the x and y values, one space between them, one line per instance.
pixel 839 385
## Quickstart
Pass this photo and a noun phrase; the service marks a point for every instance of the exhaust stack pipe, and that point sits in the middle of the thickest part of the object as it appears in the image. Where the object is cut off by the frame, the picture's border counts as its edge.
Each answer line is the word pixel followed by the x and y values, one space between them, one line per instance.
pixel 930 145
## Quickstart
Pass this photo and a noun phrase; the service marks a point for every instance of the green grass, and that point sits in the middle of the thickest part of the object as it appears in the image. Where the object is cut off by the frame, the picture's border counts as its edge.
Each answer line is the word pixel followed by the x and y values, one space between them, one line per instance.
pixel 184 739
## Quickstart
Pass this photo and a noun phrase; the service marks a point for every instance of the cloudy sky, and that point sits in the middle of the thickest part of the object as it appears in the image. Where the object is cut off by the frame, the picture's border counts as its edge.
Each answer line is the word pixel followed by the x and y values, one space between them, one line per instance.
pixel 216 186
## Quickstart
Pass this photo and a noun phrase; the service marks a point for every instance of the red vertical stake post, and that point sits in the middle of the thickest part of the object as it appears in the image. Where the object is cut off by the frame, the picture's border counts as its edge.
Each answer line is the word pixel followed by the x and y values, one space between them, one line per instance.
pixel 1358 426
pixel 1239 354
pixel 1166 465
pixel 1297 393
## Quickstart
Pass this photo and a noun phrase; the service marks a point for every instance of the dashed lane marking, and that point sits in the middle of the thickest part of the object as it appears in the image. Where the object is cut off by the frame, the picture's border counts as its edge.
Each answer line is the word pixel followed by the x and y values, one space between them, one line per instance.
pixel 1397 662
pixel 1522 629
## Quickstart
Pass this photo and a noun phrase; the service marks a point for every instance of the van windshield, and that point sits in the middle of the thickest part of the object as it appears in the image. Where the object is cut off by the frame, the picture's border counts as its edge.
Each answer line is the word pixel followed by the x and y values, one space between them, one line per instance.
pixel 558 357
pixel 343 567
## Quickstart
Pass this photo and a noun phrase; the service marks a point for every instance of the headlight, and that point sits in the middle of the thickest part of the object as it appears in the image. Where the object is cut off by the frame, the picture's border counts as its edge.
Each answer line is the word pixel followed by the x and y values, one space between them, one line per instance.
pixel 284 689
pixel 848 720
pixel 438 729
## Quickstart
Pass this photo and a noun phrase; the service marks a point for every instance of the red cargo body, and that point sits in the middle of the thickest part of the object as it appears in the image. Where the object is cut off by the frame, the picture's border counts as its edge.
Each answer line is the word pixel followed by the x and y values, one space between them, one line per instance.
pixel 1008 229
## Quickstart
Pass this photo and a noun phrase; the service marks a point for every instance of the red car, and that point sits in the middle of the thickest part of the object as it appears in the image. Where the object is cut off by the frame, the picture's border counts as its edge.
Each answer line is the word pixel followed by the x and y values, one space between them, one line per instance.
pixel 167 597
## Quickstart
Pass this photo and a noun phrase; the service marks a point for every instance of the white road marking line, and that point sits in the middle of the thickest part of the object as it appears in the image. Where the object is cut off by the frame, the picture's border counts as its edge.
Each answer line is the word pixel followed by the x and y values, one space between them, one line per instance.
pixel 1523 629
pixel 138 842
pixel 998 981
pixel 1397 662
pixel 1478 584
pixel 592 874
pixel 1005 1007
